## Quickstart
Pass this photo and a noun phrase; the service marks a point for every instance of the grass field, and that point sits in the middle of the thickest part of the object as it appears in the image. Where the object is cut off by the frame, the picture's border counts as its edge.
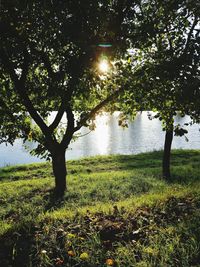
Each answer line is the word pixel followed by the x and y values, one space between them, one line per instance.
pixel 117 212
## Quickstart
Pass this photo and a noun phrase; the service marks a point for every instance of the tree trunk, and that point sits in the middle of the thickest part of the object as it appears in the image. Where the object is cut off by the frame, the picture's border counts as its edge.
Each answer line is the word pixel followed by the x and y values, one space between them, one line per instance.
pixel 167 153
pixel 60 172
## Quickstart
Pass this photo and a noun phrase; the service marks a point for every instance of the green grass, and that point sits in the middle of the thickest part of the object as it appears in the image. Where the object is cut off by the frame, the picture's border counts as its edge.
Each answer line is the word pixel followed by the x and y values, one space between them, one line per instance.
pixel 116 207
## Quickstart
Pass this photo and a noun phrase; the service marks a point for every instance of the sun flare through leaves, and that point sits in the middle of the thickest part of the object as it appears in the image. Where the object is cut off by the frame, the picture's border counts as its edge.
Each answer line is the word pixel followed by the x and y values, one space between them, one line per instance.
pixel 104 66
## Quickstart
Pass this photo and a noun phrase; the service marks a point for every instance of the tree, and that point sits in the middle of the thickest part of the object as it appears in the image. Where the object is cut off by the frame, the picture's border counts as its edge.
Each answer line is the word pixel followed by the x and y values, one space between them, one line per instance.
pixel 163 65
pixel 48 56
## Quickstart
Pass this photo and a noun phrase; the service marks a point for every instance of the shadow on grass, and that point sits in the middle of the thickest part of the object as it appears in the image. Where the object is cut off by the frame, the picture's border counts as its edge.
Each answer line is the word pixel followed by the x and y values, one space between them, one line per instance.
pixel 19 247
pixel 144 161
pixel 16 246
pixel 154 159
pixel 185 165
pixel 53 201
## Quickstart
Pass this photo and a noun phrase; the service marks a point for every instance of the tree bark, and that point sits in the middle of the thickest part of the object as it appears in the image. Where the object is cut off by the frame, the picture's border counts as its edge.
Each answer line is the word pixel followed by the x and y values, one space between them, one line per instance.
pixel 60 172
pixel 166 154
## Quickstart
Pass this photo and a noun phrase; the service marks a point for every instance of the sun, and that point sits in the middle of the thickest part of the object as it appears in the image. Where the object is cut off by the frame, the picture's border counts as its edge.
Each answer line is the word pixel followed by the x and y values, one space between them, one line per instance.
pixel 104 66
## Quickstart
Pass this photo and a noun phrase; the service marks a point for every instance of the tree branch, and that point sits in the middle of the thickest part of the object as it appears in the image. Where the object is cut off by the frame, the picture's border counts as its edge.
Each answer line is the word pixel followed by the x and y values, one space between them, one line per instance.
pixel 20 88
pixel 25 67
pixel 70 128
pixel 170 41
pixel 97 108
pixel 58 117
pixel 190 35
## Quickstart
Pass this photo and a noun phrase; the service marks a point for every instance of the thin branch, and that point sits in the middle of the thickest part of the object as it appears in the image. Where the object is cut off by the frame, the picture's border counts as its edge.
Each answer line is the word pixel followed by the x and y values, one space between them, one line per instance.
pixel 190 35
pixel 97 108
pixel 25 67
pixel 170 41
pixel 84 134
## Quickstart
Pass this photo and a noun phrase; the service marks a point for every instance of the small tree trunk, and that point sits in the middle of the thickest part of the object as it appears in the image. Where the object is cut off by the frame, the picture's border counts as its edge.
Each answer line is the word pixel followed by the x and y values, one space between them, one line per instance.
pixel 60 172
pixel 167 153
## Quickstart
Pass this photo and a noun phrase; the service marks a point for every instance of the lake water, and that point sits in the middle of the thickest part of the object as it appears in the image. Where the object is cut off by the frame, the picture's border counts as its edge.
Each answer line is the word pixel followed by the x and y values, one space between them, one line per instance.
pixel 142 135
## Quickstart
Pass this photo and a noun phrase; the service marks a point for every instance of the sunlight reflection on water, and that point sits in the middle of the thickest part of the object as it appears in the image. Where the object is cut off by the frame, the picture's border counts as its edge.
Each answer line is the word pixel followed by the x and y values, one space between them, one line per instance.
pixel 108 138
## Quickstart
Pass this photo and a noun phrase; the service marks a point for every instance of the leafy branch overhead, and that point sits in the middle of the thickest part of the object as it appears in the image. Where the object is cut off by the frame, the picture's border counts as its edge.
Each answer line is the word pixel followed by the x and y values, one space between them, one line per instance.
pixel 48 58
